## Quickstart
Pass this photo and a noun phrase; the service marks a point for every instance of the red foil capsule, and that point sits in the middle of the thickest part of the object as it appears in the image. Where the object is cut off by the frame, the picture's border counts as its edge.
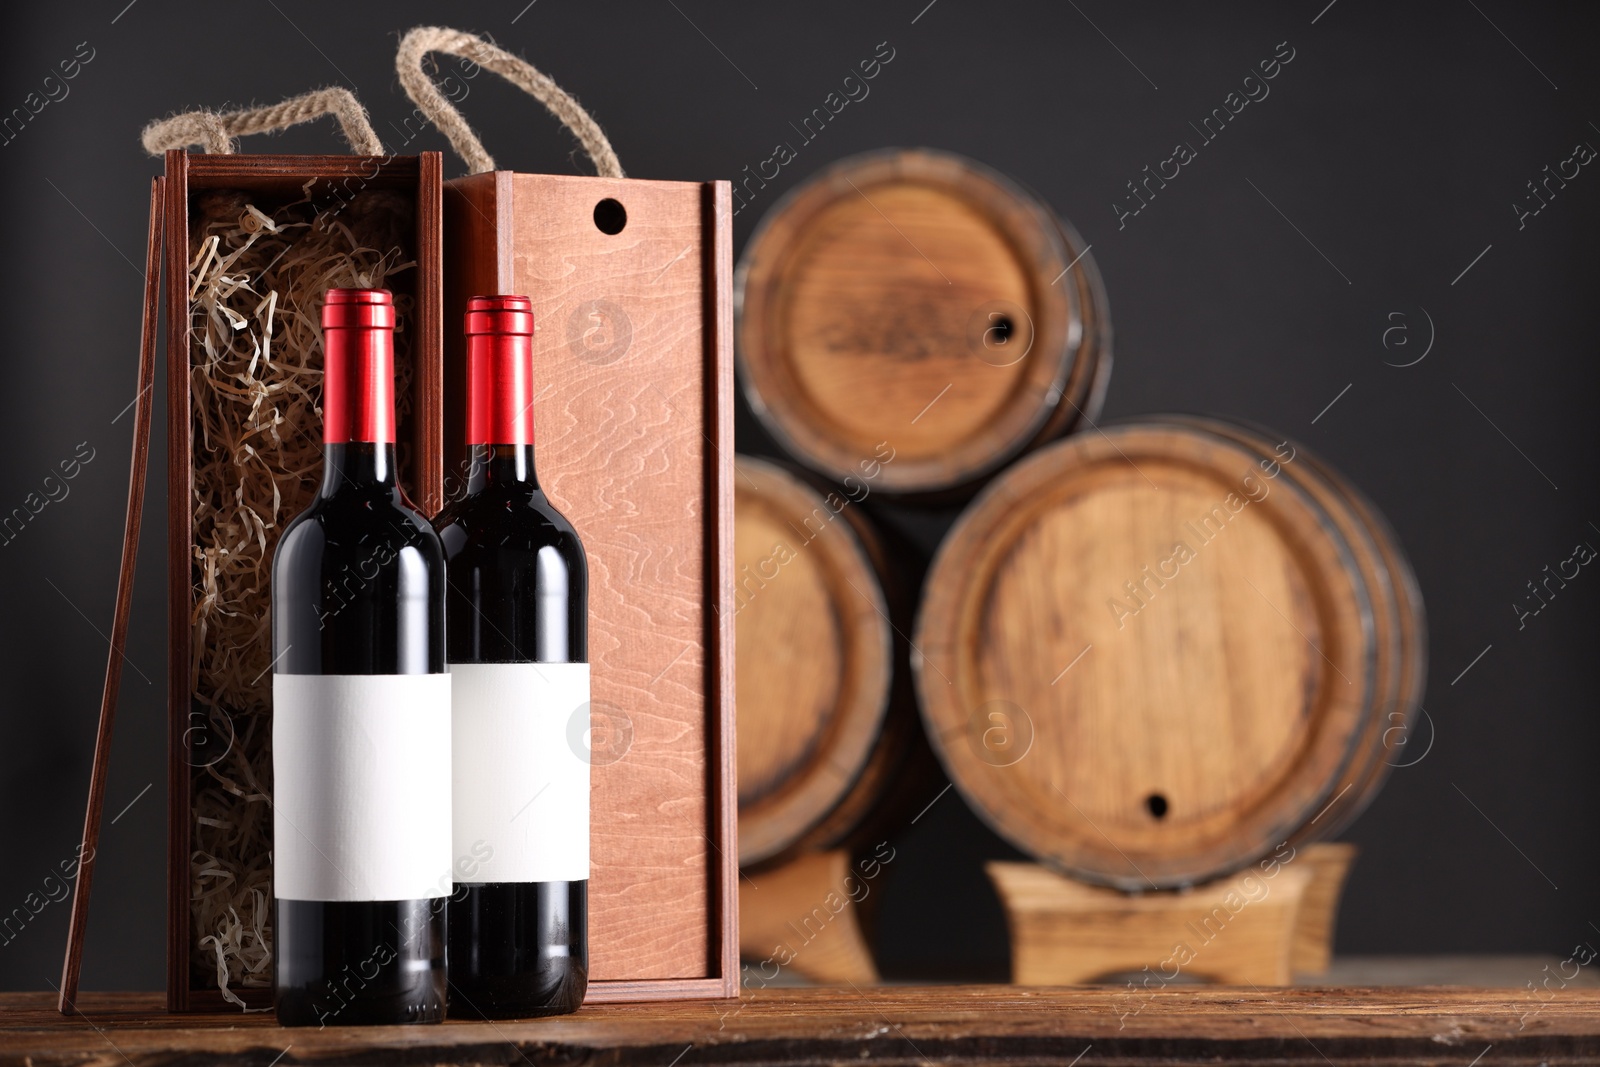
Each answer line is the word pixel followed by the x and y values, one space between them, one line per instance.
pixel 358 366
pixel 499 370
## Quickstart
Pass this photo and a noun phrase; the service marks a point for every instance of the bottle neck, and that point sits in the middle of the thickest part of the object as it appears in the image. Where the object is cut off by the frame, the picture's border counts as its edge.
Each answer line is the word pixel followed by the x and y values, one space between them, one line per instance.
pixel 356 466
pixel 497 466
pixel 499 428
pixel 500 390
pixel 358 385
pixel 357 391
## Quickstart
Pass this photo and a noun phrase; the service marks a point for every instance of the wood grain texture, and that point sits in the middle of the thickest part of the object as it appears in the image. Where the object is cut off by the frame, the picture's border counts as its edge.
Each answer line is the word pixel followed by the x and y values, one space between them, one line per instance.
pixel 897 1025
pixel 803 917
pixel 920 298
pixel 268 176
pixel 634 444
pixel 1144 660
pixel 1238 930
pixel 1312 952
pixel 144 387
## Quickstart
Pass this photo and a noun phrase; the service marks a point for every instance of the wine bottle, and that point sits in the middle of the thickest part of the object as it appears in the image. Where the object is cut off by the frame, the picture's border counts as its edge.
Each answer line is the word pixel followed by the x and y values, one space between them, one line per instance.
pixel 518 652
pixel 361 713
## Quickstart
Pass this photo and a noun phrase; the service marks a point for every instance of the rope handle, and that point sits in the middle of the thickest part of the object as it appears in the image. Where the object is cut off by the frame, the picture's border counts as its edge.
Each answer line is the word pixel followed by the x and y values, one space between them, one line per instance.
pixel 420 87
pixel 215 131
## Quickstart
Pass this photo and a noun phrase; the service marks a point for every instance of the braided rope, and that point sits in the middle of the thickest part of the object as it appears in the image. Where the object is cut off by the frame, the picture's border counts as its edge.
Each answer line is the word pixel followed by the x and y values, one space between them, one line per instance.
pixel 216 132
pixel 414 48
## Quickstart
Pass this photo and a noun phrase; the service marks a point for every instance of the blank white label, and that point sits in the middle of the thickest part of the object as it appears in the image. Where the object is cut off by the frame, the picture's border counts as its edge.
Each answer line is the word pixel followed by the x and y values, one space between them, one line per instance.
pixel 521 794
pixel 361 786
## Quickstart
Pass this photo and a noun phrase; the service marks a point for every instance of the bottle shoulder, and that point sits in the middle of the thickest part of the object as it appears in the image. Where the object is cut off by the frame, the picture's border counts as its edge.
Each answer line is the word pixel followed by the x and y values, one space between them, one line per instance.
pixel 348 522
pixel 507 520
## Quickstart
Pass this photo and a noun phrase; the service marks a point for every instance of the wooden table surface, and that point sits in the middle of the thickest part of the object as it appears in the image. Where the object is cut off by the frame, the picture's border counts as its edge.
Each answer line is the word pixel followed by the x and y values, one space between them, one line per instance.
pixel 882 1025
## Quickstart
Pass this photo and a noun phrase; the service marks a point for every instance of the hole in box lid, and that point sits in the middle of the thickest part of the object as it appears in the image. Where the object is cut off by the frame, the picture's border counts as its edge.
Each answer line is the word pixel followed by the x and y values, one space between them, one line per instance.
pixel 610 216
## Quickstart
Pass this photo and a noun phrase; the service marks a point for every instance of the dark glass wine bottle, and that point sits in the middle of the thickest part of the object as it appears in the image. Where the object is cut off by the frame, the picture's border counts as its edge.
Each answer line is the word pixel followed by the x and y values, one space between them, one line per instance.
pixel 517 645
pixel 361 713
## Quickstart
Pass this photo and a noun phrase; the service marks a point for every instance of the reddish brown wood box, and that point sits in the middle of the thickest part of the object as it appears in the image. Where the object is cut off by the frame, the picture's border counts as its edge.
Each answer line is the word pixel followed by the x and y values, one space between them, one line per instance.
pixel 280 178
pixel 635 448
pixel 633 359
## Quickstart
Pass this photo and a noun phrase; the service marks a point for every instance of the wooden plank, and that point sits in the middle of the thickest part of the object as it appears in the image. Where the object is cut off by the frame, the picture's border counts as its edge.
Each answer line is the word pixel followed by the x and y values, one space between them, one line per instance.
pixel 180 587
pixel 723 782
pixel 896 1025
pixel 138 469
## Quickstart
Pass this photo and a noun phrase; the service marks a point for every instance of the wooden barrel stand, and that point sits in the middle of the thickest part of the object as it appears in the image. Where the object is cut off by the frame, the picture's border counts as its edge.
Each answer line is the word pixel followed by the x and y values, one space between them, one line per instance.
pixel 1259 927
pixel 805 917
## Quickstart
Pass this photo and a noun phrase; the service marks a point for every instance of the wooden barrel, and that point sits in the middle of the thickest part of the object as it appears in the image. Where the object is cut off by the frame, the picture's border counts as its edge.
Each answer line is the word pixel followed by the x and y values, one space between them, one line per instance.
pixel 1394 725
pixel 826 719
pixel 920 302
pixel 1150 656
pixel 1401 665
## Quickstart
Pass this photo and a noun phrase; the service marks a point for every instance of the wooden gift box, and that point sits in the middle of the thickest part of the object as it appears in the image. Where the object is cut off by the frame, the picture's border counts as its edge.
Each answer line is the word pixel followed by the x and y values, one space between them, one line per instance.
pixel 636 451
pixel 273 178
pixel 633 426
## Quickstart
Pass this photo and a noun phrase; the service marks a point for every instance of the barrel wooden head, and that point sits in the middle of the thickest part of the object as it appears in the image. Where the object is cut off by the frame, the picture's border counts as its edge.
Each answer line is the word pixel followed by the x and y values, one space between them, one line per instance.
pixel 1151 656
pixel 921 302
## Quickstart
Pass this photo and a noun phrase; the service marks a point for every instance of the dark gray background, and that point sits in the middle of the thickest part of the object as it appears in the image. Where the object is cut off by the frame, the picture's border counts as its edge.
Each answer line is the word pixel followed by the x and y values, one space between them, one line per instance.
pixel 1396 141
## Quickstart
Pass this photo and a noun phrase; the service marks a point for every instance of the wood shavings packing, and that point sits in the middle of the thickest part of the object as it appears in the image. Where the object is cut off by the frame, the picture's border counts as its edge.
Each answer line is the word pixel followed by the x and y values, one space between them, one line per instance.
pixel 257 277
